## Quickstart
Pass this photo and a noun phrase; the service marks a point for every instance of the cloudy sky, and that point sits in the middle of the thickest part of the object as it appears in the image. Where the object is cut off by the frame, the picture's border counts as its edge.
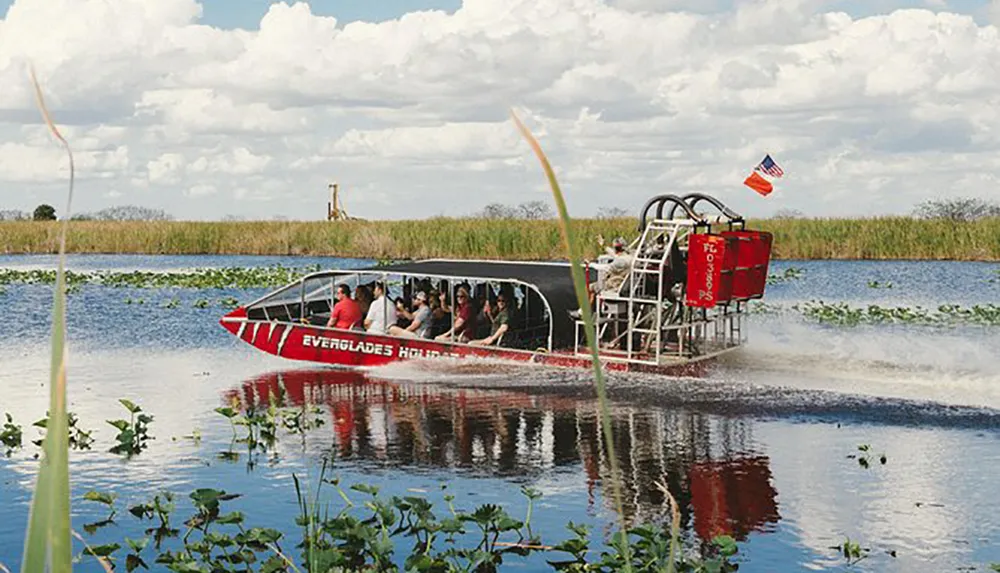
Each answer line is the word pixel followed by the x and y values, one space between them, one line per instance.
pixel 249 108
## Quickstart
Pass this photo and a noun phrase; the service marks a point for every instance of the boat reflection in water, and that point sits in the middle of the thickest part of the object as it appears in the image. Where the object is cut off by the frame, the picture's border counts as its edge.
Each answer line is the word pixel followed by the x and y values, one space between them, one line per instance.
pixel 706 461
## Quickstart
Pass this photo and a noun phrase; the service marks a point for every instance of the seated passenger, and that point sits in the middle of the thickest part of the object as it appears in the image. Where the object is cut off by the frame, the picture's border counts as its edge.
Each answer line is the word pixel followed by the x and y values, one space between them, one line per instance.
pixel 464 327
pixel 444 295
pixel 441 311
pixel 484 309
pixel 363 295
pixel 346 314
pixel 381 313
pixel 439 320
pixel 501 323
pixel 420 319
pixel 403 315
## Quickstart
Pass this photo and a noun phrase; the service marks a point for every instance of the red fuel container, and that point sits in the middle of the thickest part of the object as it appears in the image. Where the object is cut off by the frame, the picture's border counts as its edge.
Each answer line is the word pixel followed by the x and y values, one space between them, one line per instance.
pixel 711 260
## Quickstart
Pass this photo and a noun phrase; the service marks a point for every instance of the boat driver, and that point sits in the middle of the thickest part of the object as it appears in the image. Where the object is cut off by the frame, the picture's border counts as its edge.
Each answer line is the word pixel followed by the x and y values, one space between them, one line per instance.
pixel 612 277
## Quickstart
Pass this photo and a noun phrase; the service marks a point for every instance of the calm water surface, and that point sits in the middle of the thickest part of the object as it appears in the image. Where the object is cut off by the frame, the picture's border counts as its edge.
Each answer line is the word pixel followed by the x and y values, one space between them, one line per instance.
pixel 758 450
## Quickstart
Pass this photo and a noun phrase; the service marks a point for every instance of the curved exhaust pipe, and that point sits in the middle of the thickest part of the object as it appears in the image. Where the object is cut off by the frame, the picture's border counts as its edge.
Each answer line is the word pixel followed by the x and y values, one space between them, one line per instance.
pixel 692 199
pixel 659 201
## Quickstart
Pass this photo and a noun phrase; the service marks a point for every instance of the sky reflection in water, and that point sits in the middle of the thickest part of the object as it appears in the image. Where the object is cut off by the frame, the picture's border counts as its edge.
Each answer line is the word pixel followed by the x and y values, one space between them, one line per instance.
pixel 759 450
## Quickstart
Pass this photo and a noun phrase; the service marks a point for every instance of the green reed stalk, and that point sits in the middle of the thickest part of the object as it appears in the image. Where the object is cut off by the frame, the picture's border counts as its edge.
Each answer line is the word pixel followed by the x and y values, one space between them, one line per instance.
pixel 48 543
pixel 580 286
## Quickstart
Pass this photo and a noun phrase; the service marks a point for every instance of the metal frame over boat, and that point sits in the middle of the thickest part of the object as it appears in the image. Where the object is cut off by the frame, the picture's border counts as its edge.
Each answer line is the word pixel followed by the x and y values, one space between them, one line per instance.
pixel 680 304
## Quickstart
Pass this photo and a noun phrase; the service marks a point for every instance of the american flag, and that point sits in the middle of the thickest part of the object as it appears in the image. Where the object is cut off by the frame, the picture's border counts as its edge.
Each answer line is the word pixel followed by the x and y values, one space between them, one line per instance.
pixel 769 167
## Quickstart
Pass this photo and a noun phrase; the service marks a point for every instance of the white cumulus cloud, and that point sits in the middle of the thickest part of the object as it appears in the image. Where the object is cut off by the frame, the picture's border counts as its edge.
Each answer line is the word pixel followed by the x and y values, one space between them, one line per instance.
pixel 867 114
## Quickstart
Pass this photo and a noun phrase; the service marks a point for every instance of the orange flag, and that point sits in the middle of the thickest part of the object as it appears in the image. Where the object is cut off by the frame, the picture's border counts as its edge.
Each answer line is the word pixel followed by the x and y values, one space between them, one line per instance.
pixel 758 184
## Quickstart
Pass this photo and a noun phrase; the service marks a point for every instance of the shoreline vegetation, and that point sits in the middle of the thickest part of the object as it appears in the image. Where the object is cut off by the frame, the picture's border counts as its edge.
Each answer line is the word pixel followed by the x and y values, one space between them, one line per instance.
pixel 881 238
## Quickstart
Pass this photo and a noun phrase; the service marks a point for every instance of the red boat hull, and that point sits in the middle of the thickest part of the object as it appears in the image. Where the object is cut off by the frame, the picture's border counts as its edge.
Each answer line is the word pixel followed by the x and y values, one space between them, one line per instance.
pixel 353 348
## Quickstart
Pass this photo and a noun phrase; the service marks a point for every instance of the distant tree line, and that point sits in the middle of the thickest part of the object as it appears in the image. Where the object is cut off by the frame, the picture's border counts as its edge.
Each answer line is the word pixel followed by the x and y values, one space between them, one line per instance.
pixel 527 210
pixel 125 213
pixel 45 212
pixel 538 210
pixel 788 214
pixel 13 215
pixel 42 212
pixel 958 209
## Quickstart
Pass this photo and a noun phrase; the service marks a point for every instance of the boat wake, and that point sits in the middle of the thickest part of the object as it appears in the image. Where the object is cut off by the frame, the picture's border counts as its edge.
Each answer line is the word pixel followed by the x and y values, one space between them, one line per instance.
pixel 949 367
pixel 437 369
pixel 478 371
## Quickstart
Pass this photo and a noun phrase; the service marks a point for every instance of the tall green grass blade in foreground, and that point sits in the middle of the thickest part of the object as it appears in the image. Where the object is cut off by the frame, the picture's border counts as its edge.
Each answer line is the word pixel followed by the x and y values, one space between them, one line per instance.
pixel 580 286
pixel 48 543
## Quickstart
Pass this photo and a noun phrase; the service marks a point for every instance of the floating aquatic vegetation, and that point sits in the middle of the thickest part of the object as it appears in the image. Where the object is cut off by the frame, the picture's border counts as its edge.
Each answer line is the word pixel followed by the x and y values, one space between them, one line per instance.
pixel 12 436
pixel 791 273
pixel 944 315
pixel 107 499
pixel 867 456
pixel 878 284
pixel 132 433
pixel 228 277
pixel 79 439
pixel 368 530
pixel 852 551
pixel 760 307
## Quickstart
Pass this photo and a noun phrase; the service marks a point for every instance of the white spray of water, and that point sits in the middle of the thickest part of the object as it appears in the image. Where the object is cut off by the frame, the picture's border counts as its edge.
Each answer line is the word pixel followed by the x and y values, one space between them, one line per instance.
pixel 952 367
pixel 956 367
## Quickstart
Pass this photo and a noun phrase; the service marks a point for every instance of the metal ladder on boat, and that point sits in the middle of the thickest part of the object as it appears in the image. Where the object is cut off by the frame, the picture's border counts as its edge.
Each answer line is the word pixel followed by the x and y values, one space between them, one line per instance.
pixel 644 309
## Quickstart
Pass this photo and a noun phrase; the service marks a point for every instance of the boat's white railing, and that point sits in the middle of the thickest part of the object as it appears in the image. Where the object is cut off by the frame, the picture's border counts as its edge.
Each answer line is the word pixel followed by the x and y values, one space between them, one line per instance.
pixel 667 329
pixel 453 282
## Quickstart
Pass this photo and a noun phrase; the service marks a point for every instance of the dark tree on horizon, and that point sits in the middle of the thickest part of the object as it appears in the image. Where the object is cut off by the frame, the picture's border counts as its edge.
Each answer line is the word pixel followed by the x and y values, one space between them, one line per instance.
pixel 44 212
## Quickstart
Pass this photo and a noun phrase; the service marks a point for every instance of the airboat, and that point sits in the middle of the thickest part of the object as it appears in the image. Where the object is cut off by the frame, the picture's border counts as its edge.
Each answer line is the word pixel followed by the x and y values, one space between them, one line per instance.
pixel 679 304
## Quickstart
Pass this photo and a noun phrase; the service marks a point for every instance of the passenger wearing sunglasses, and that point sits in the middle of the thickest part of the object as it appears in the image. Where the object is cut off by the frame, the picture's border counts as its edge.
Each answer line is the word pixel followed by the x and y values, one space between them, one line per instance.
pixel 464 327
pixel 501 320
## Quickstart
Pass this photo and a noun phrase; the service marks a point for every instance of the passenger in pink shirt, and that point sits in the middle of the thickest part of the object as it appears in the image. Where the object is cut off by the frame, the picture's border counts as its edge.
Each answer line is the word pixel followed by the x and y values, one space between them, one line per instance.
pixel 346 314
pixel 464 328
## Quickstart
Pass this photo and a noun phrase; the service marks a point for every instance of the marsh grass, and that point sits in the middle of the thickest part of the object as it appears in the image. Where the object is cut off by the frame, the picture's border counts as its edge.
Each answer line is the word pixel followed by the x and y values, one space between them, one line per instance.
pixel 48 544
pixel 884 238
pixel 572 250
pixel 877 238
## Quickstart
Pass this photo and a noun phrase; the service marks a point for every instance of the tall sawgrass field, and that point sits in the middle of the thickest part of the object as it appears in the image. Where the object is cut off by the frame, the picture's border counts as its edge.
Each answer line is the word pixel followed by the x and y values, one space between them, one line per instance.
pixel 873 238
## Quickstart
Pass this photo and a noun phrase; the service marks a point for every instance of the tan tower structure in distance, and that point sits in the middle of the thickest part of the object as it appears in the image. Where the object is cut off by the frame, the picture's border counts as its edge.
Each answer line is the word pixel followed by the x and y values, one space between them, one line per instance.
pixel 334 209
